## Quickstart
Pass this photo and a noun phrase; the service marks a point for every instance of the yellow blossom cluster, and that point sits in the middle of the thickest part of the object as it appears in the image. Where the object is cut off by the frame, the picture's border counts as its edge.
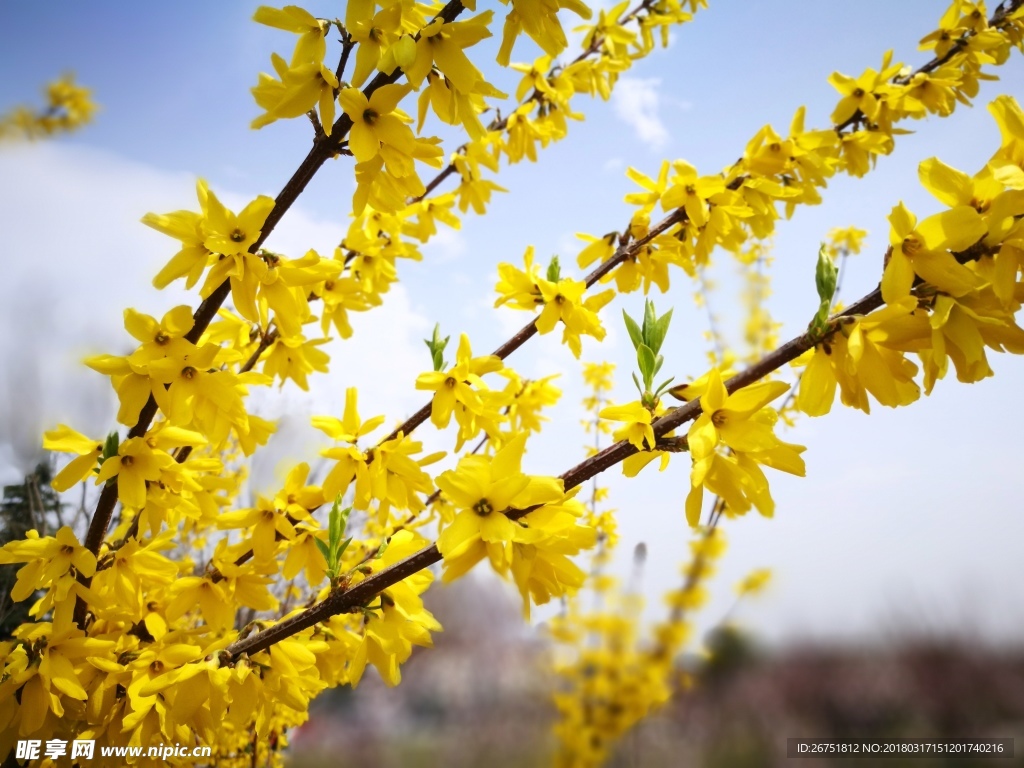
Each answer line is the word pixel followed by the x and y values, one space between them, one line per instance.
pixel 68 108
pixel 776 174
pixel 950 284
pixel 186 614
pixel 560 299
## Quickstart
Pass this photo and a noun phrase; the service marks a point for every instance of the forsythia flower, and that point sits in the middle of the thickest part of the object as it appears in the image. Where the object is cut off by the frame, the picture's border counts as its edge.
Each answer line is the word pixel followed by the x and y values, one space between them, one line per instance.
pixel 562 300
pixel 923 250
pixel 374 122
pixel 482 489
pixel 134 465
pixel 638 424
pixel 740 422
pixel 66 440
pixel 459 384
pixel 47 559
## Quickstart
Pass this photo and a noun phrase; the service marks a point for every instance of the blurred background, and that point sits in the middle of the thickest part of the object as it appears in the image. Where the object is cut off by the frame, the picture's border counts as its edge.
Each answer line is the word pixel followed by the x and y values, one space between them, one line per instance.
pixel 897 605
pixel 481 697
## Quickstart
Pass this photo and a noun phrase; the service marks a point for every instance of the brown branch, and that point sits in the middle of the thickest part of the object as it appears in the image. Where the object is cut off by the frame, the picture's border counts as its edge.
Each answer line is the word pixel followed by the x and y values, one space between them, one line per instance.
pixel 348 600
pixel 530 329
pixel 323 149
pixel 623 252
pixel 499 123
pixel 999 18
pixel 342 601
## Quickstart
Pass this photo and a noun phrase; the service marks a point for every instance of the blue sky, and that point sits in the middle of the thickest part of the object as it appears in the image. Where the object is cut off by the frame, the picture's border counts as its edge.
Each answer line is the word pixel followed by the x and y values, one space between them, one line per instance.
pixel 910 513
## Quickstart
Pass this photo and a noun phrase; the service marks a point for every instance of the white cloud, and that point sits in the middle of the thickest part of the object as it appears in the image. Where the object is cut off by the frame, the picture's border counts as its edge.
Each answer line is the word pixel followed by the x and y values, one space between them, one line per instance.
pixel 76 256
pixel 446 246
pixel 636 102
pixel 614 164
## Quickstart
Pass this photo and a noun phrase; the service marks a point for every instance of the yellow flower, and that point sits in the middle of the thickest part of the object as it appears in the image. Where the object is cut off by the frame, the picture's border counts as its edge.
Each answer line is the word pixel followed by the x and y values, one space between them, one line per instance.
pixel 441 44
pixel 266 523
pixel 390 632
pixel 303 84
pixel 727 419
pixel 482 488
pixel 371 35
pixel 848 239
pixel 539 19
pixel 865 355
pixel 517 287
pixel 66 440
pixel 209 597
pixel 922 250
pixel 754 583
pixel 192 379
pixel 691 192
pixel 456 385
pixel 563 301
pixel 57 671
pixel 134 465
pixel 860 94
pixel 960 331
pixel 638 424
pixel 47 559
pixel 295 357
pixel 374 121
pixel 185 226
pixel 230 234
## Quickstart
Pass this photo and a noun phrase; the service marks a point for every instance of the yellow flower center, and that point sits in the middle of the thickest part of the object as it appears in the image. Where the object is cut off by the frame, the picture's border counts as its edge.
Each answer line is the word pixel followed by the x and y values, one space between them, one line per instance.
pixel 450 382
pixel 329 285
pixel 156 667
pixel 127 461
pixel 370 116
pixel 237 236
pixel 483 508
pixel 910 245
pixel 858 92
pixel 67 549
pixel 188 372
pixel 719 418
pixel 162 338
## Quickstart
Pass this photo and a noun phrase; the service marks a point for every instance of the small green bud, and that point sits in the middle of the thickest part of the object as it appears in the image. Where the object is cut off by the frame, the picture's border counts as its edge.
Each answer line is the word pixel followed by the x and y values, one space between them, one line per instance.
pixel 554 270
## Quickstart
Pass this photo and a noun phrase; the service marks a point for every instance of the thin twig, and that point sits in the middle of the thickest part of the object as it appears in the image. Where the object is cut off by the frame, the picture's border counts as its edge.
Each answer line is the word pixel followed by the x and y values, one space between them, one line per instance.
pixel 322 150
pixel 344 601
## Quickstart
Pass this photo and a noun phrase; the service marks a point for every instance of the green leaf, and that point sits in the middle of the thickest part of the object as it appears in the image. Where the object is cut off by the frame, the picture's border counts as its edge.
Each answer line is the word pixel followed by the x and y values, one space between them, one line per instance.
pixel 825 275
pixel 344 546
pixel 635 335
pixel 324 550
pixel 656 335
pixel 554 270
pixel 663 385
pixel 658 362
pixel 650 321
pixel 382 549
pixel 637 382
pixel 110 446
pixel 336 524
pixel 436 346
pixel 645 358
